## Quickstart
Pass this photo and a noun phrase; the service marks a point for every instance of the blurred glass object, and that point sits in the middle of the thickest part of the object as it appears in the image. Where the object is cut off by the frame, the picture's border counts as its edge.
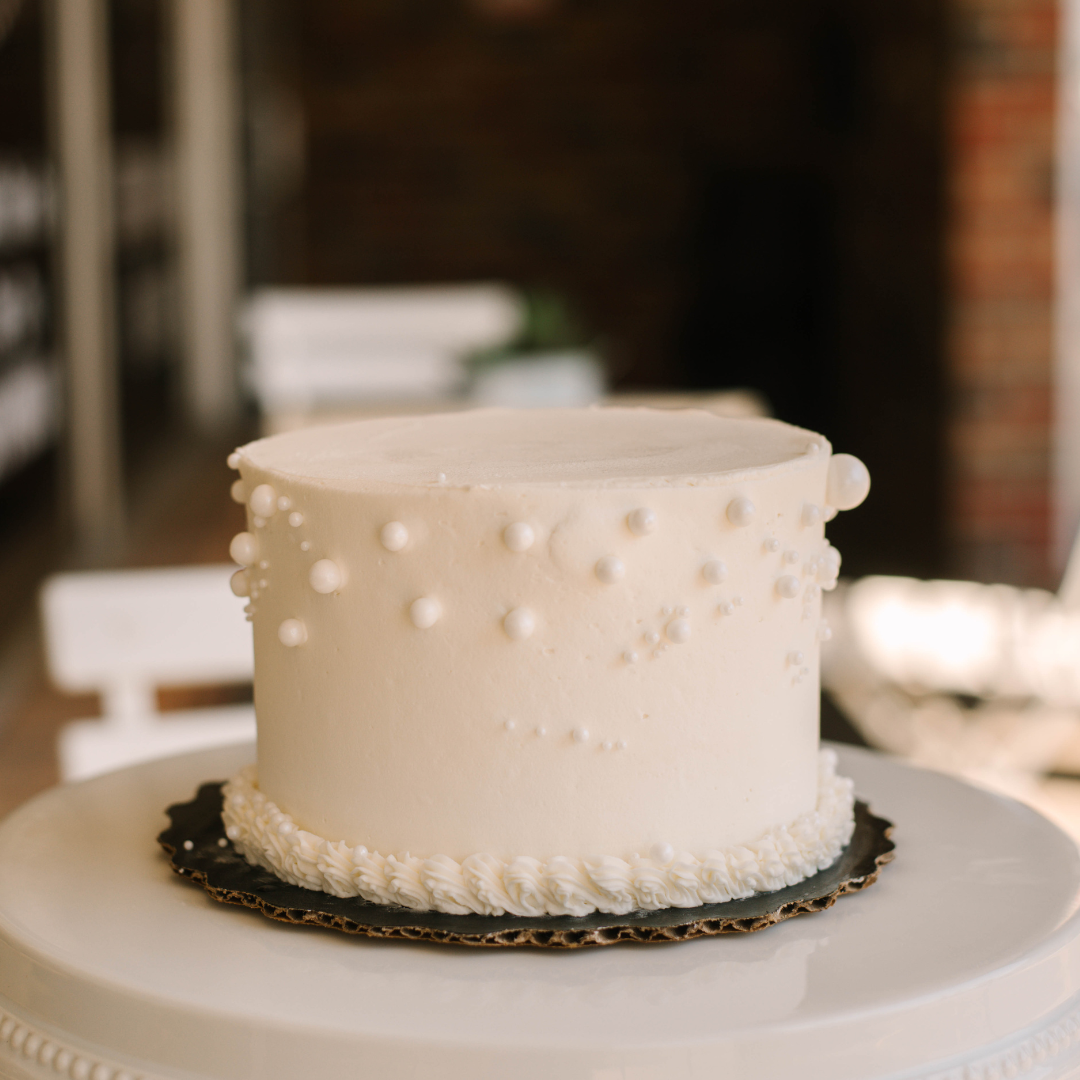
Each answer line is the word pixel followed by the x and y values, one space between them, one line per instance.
pixel 978 680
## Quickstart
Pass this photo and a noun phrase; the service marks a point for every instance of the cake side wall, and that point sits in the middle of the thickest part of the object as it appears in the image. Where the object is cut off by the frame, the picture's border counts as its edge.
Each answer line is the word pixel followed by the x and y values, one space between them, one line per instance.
pixel 538 671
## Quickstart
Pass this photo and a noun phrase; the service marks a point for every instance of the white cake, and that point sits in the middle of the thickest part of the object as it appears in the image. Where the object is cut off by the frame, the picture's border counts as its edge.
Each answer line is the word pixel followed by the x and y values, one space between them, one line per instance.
pixel 540 662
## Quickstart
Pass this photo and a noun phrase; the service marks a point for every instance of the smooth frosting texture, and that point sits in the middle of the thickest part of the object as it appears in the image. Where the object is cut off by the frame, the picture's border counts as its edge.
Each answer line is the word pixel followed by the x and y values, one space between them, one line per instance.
pixel 555 634
pixel 485 884
pixel 505 447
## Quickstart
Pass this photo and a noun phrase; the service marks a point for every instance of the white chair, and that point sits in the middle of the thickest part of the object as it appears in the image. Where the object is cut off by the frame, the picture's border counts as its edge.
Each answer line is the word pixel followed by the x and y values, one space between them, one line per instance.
pixel 125 633
pixel 312 348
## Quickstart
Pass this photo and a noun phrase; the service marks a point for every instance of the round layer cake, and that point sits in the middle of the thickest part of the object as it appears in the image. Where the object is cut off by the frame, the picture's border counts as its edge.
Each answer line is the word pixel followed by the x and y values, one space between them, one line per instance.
pixel 547 661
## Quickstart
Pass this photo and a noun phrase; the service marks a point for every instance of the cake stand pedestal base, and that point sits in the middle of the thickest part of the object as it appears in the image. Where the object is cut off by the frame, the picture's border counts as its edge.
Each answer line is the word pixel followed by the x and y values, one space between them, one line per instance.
pixel 961 963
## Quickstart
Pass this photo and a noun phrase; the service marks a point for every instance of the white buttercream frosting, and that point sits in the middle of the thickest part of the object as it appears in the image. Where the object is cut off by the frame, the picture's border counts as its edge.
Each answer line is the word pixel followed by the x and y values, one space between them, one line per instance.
pixel 485 884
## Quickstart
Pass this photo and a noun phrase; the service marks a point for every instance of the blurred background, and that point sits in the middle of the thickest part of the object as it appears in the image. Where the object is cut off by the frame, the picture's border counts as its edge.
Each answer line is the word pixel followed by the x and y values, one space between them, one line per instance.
pixel 225 217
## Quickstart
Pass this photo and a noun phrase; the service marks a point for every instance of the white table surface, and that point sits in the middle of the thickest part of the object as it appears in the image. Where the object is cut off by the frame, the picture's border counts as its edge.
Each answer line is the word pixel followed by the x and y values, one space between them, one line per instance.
pixel 962 961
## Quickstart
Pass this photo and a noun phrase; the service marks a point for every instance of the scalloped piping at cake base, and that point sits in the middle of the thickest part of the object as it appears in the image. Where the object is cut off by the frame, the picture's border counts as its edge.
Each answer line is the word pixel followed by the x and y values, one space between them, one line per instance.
pixel 486 885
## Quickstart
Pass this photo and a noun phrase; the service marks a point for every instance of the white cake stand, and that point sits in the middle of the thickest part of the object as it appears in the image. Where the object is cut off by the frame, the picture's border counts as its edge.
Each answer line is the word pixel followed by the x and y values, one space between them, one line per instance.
pixel 962 962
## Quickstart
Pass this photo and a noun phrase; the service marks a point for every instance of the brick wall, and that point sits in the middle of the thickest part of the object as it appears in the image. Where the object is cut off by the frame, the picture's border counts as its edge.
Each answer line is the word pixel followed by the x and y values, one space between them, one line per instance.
pixel 1000 259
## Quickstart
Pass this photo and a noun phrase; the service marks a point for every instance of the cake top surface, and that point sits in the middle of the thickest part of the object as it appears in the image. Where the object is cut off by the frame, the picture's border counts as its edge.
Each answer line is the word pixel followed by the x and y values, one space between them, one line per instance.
pixel 571 447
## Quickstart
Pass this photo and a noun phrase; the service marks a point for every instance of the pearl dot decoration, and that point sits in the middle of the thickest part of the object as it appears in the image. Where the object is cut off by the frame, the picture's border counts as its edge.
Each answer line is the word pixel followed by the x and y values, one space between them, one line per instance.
pixel 425 612
pixel 791 556
pixel 394 536
pixel 238 492
pixel 519 624
pixel 740 511
pixel 727 608
pixel 325 576
pixel 244 549
pixel 610 570
pixel 519 536
pixel 284 502
pixel 292 632
pixel 788 586
pixel 263 501
pixel 305 545
pixel 233 460
pixel 848 482
pixel 662 853
pixel 770 543
pixel 641 521
pixel 630 656
pixel 296 519
pixel 581 734
pixel 811 514
pixel 652 638
pixel 795 658
pixel 678 631
pixel 240 583
pixel 714 571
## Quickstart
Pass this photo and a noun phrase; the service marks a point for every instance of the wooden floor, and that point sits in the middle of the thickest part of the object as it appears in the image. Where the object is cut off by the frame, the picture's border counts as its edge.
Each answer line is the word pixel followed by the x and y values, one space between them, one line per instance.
pixel 179 512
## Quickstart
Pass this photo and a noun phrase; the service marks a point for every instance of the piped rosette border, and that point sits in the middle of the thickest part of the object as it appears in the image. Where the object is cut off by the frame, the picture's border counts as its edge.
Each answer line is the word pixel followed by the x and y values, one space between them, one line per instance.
pixel 483 884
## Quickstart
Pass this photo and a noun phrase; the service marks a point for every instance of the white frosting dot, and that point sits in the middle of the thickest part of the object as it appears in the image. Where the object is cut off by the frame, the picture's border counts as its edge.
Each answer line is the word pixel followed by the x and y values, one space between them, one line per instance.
pixel 264 565
pixel 581 734
pixel 607 744
pixel 630 657
pixel 541 731
pixel 305 545
pixel 325 576
pixel 741 511
pixel 292 632
pixel 788 586
pixel 240 583
pixel 684 611
pixel 238 492
pixel 727 608
pixel 394 536
pixel 440 478
pixel 678 631
pixel 425 612
pixel 714 571
pixel 652 637
pixel 244 549
pixel 509 725
pixel 296 519
pixel 662 853
pixel 519 624
pixel 737 600
pixel 811 514
pixel 519 536
pixel 284 502
pixel 848 482
pixel 791 556
pixel 189 845
pixel 641 521
pixel 771 544
pixel 263 501
pixel 621 744
pixel 233 460
pixel 610 570
pixel 795 658
pixel 667 609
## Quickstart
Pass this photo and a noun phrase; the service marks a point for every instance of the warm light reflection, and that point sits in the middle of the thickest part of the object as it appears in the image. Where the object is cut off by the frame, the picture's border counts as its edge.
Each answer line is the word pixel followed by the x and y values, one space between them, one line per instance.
pixel 960 636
